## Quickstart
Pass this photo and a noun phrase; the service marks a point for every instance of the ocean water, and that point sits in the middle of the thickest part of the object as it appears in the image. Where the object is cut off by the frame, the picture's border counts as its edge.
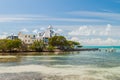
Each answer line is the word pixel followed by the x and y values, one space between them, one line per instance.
pixel 80 65
pixel 116 47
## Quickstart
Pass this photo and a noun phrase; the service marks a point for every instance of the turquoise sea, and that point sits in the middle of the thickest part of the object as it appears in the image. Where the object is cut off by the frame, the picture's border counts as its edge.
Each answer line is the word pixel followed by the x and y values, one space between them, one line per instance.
pixel 101 47
pixel 81 65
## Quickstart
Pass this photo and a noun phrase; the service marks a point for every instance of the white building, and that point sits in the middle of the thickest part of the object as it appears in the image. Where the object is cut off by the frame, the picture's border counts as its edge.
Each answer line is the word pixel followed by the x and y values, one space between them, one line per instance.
pixel 27 38
pixel 45 35
pixel 48 33
pixel 12 37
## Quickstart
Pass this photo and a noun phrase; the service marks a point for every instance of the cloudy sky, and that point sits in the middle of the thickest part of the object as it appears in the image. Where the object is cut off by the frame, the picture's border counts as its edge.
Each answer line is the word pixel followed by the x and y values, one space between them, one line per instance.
pixel 92 22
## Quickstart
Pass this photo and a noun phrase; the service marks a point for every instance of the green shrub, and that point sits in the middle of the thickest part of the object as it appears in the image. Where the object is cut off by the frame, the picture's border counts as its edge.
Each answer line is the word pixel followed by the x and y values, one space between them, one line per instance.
pixel 50 48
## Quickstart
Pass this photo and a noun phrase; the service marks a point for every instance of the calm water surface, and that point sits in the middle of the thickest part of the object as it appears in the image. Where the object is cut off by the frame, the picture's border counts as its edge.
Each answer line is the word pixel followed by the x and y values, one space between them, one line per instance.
pixel 89 64
pixel 81 58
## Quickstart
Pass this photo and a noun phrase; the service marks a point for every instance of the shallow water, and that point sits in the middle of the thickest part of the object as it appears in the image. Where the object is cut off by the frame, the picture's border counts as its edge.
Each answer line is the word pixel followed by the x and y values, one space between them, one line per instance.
pixel 84 65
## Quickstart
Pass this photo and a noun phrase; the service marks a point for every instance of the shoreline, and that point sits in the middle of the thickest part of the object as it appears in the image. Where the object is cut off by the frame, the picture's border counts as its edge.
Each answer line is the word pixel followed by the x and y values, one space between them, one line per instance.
pixel 54 51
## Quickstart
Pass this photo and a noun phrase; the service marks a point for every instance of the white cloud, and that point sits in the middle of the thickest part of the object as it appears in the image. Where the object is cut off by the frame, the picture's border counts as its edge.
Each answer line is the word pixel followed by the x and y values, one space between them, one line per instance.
pixel 42 28
pixel 83 30
pixel 24 30
pixel 35 31
pixel 84 16
pixel 99 41
pixel 96 35
pixel 108 27
pixel 75 39
pixel 75 19
pixel 3 36
pixel 12 18
pixel 59 31
pixel 91 30
pixel 106 31
pixel 4 33
pixel 104 15
pixel 18 17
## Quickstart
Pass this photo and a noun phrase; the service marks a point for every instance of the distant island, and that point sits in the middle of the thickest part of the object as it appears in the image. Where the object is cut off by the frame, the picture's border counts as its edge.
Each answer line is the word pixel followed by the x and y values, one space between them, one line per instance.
pixel 46 41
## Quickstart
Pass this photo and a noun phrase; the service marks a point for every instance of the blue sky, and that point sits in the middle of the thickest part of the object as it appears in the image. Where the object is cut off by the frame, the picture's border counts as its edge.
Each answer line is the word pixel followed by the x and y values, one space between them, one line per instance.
pixel 92 22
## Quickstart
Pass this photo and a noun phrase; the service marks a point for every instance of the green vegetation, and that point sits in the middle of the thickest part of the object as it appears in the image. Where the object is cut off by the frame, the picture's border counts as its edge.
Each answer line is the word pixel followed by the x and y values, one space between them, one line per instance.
pixel 13 45
pixel 38 46
pixel 56 42
pixel 50 48
pixel 72 44
pixel 7 45
pixel 3 46
pixel 62 43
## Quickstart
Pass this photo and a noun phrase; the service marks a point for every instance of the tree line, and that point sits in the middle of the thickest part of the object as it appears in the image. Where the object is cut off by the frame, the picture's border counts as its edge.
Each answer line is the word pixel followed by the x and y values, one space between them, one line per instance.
pixel 7 45
pixel 56 42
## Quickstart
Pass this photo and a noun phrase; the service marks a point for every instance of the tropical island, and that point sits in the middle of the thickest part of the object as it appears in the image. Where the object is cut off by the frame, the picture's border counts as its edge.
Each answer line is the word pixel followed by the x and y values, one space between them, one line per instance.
pixel 82 44
pixel 46 41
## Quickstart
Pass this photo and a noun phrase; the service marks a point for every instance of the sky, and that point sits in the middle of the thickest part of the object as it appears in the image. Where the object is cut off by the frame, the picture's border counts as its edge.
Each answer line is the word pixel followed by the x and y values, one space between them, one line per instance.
pixel 91 22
